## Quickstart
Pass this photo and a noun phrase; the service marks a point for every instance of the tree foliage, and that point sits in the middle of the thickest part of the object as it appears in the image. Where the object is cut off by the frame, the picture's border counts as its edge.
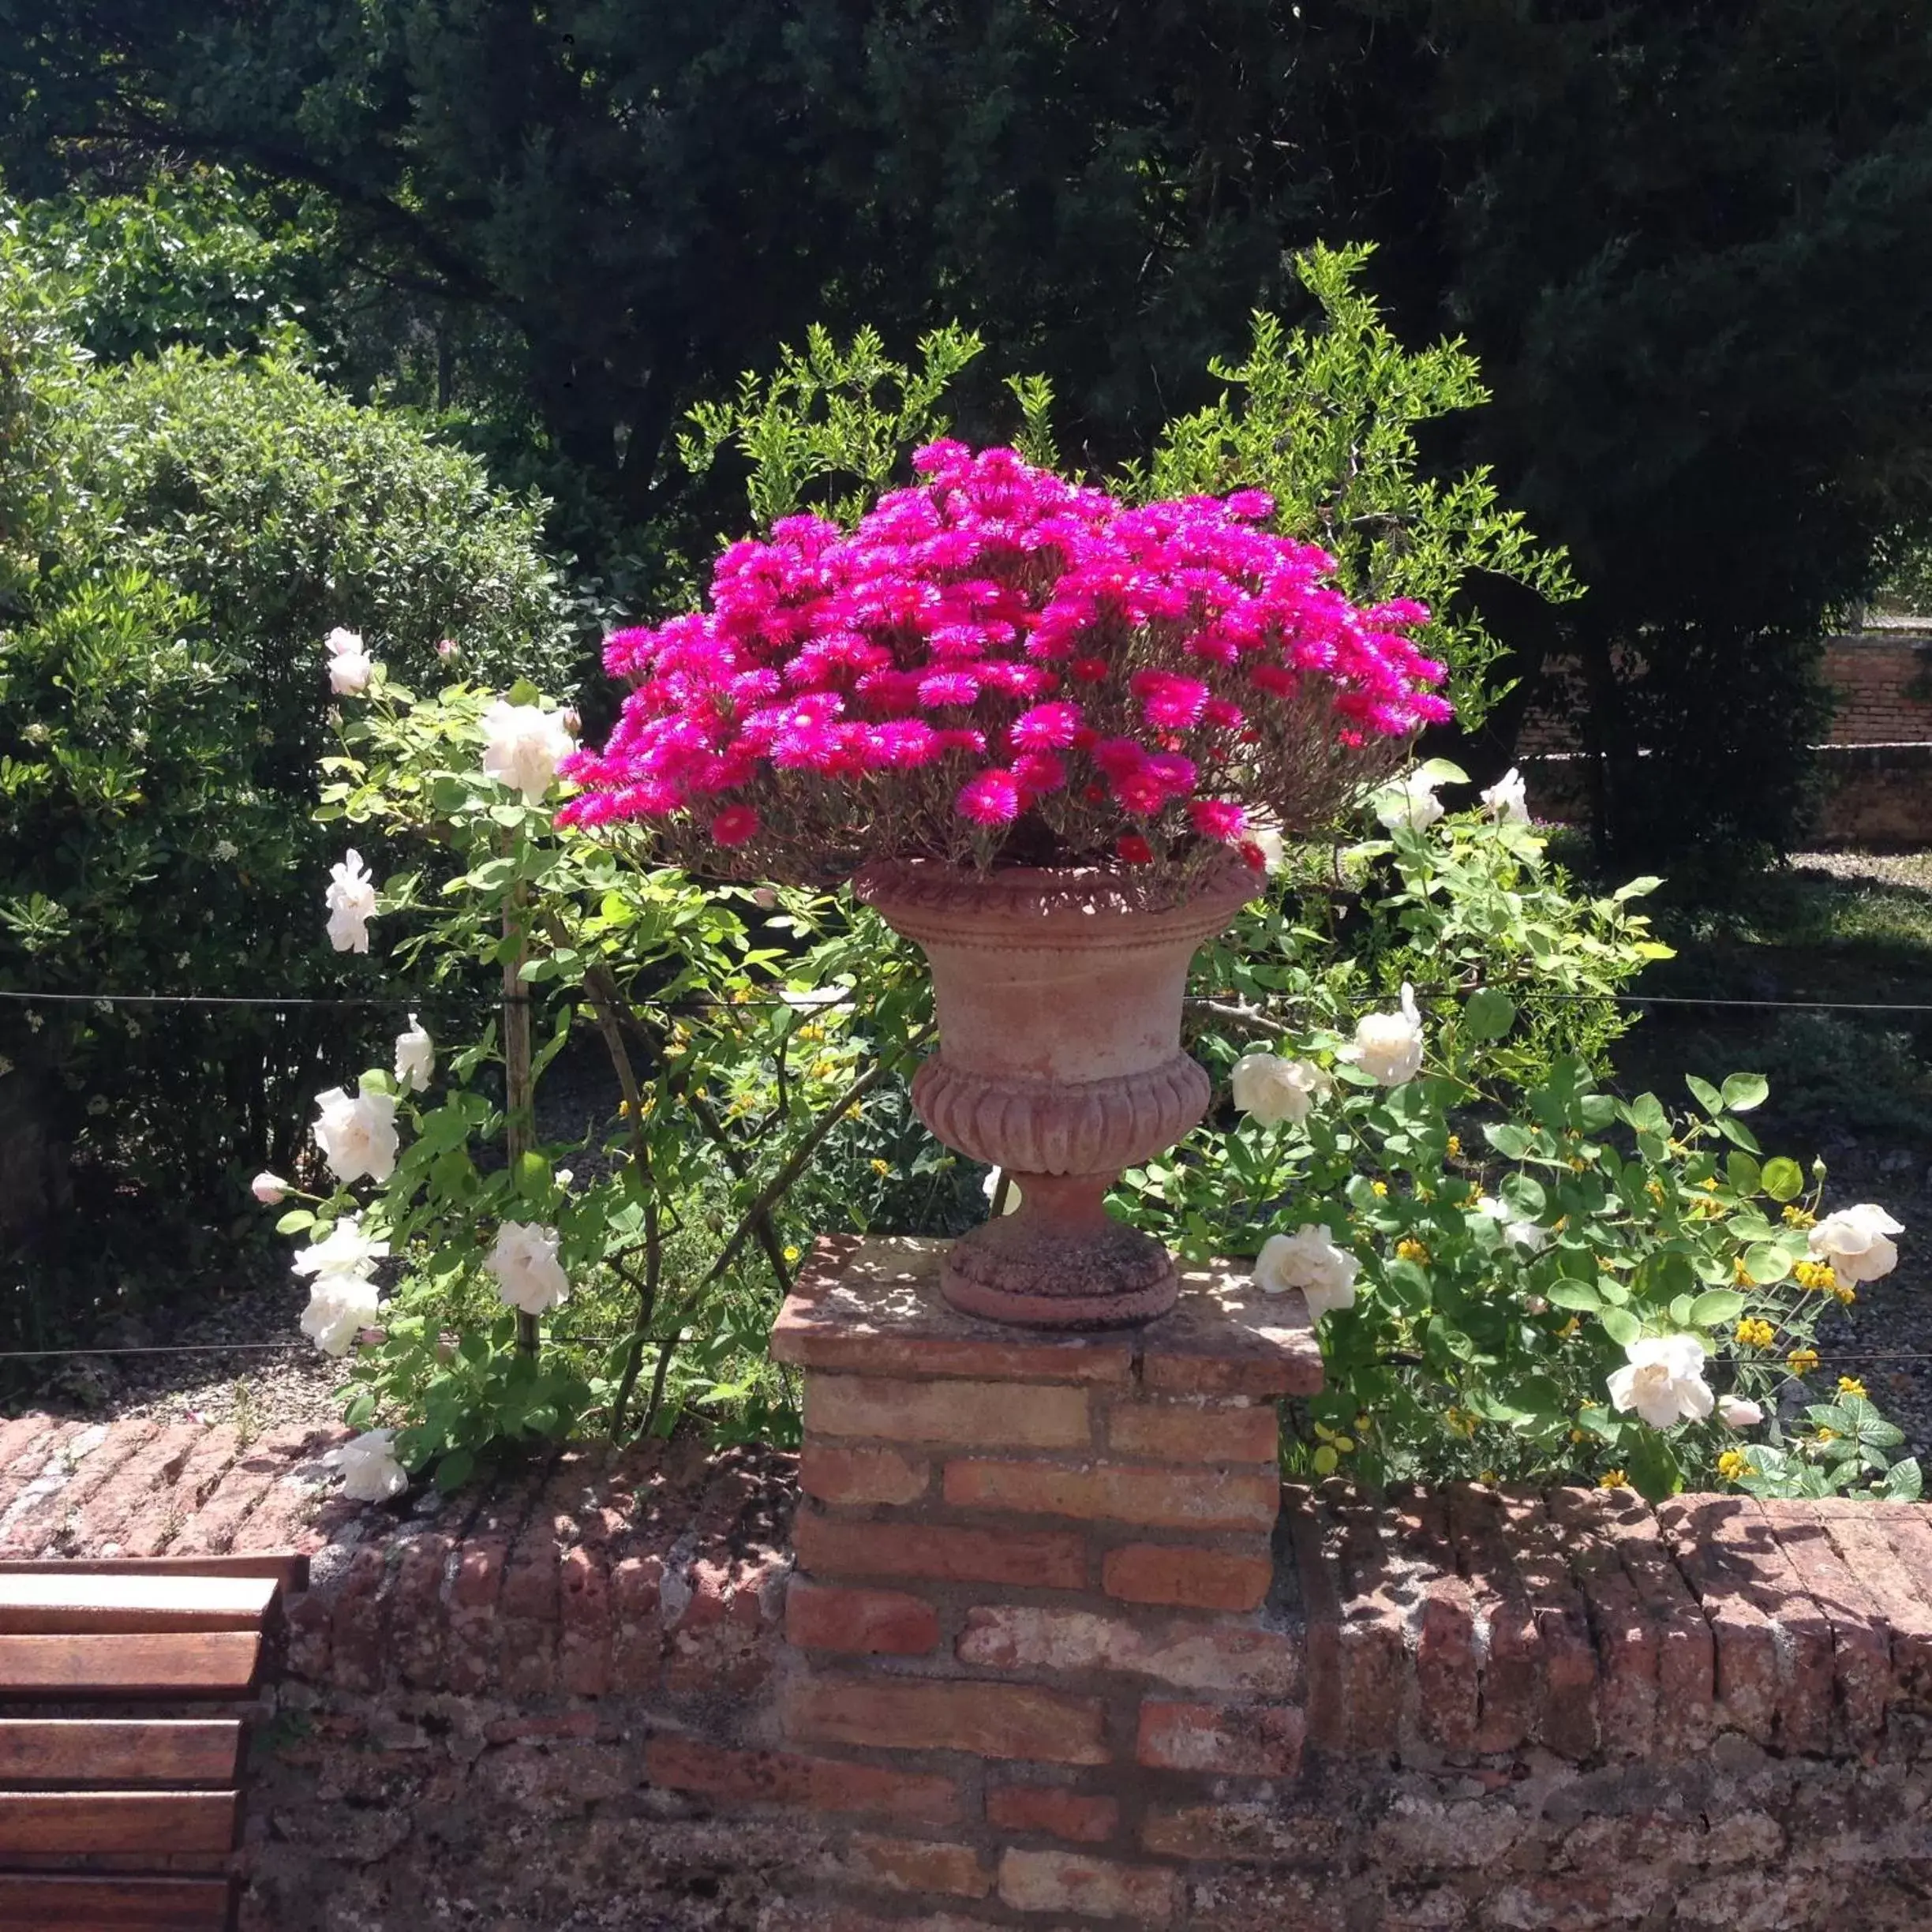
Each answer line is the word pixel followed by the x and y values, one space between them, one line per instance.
pixel 1687 240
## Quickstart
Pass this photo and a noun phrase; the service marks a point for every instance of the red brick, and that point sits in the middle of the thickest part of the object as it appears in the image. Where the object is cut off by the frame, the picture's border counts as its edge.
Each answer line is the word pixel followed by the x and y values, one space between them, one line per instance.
pixel 1234 1740
pixel 417 1619
pixel 1224 1337
pixel 580 1724
pixel 989 1719
pixel 1184 1432
pixel 1187 1574
pixel 1053 1810
pixel 1564 1712
pixel 838 1474
pixel 1057 1881
pixel 1627 1636
pixel 976 1414
pixel 213 1528
pixel 1254 1834
pixel 822 1616
pixel 471 1651
pixel 150 1532
pixel 1038 1559
pixel 1445 1652
pixel 104 1518
pixel 1197 1656
pixel 1318 1567
pixel 1165 1498
pixel 37 1530
pixel 1374 1604
pixel 1686 1678
pixel 637 1633
pixel 20 1439
pixel 1748 1691
pixel 790 1778
pixel 1509 1651
pixel 874 1306
pixel 726 1637
pixel 1858 1533
pixel 584 1635
pixel 357 1629
pixel 917 1864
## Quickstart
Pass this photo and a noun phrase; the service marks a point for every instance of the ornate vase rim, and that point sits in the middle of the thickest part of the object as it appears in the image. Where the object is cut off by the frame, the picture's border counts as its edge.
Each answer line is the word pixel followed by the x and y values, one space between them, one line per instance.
pixel 1043 891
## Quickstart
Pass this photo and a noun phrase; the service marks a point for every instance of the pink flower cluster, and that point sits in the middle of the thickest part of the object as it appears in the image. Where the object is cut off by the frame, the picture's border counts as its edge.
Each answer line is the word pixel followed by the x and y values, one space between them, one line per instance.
pixel 993 642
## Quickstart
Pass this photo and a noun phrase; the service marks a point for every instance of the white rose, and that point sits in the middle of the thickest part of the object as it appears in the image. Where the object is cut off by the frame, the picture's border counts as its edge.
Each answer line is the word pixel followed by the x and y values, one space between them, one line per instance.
pixel 351 903
pixel 269 1188
pixel 1507 801
pixel 345 1250
pixel 1410 803
pixel 342 643
pixel 523 746
pixel 350 672
pixel 1273 1089
pixel 1855 1241
pixel 1735 1413
pixel 1309 1259
pixel 370 1471
pixel 1662 1380
pixel 356 1137
pixel 990 1186
pixel 1530 1236
pixel 529 1275
pixel 340 1306
pixel 415 1057
pixel 1388 1047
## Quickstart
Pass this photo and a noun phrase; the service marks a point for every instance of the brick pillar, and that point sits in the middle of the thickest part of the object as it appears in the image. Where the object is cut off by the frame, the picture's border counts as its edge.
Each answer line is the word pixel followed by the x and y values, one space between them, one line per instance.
pixel 1039 1568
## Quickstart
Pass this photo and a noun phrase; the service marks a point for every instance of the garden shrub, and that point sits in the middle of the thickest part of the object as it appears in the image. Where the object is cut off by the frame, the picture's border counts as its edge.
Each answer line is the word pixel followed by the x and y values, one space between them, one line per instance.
pixel 187 530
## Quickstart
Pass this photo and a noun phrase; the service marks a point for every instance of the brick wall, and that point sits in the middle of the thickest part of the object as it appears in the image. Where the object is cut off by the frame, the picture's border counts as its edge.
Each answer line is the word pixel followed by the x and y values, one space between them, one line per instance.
pixel 1041 1653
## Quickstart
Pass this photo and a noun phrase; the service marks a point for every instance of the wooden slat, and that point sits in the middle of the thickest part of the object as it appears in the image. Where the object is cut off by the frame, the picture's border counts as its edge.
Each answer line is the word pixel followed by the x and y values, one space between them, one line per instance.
pixel 62 1602
pixel 88 1750
pixel 42 1904
pixel 150 1821
pixel 287 1568
pixel 183 1664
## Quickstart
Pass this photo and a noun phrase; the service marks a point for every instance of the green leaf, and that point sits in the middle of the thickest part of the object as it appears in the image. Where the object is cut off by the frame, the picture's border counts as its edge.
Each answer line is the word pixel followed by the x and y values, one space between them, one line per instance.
pixel 1903 1481
pixel 1637 888
pixel 1743 1172
pixel 1621 1326
pixel 1742 1091
pixel 1782 1179
pixel 361 1410
pixel 1525 1195
pixel 454 1470
pixel 294 1221
pixel 1511 1142
pixel 1719 1306
pixel 1575 1295
pixel 1764 1261
pixel 1705 1095
pixel 1489 1014
pixel 1646 1114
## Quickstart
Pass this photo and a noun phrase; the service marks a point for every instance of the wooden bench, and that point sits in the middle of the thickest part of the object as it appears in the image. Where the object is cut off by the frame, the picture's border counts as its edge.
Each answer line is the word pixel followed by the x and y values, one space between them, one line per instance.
pixel 127 1820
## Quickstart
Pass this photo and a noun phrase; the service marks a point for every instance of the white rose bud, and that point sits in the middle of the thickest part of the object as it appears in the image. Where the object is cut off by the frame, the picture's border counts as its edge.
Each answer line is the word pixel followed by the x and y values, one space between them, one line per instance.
pixel 1309 1259
pixel 1855 1242
pixel 415 1057
pixel 1388 1047
pixel 269 1188
pixel 523 745
pixel 370 1471
pixel 1662 1380
pixel 358 1136
pixel 351 903
pixel 1507 801
pixel 529 1275
pixel 1273 1089
pixel 1409 803
pixel 1734 1412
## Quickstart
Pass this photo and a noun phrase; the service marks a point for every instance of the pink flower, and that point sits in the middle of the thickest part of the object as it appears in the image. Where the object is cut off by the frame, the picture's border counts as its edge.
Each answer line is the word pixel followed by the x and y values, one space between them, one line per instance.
pixel 991 799
pixel 1134 850
pixel 1046 726
pixel 947 687
pixel 1218 819
pixel 736 825
pixel 1038 772
pixel 1169 702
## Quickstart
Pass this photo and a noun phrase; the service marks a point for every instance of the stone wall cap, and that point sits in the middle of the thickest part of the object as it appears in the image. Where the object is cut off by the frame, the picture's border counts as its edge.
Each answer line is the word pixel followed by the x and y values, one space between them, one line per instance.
pixel 871 1305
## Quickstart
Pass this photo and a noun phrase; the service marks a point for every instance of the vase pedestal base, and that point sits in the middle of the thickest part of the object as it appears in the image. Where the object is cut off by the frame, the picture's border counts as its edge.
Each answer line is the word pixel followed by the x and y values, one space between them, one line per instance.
pixel 1060 1261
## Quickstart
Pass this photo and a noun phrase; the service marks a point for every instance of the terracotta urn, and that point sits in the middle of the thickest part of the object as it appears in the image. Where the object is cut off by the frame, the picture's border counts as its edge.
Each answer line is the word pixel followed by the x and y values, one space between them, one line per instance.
pixel 1058 994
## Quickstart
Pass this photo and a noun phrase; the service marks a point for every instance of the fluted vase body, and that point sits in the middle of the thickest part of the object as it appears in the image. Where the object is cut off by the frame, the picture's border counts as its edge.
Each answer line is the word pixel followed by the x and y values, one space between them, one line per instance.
pixel 1058 998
